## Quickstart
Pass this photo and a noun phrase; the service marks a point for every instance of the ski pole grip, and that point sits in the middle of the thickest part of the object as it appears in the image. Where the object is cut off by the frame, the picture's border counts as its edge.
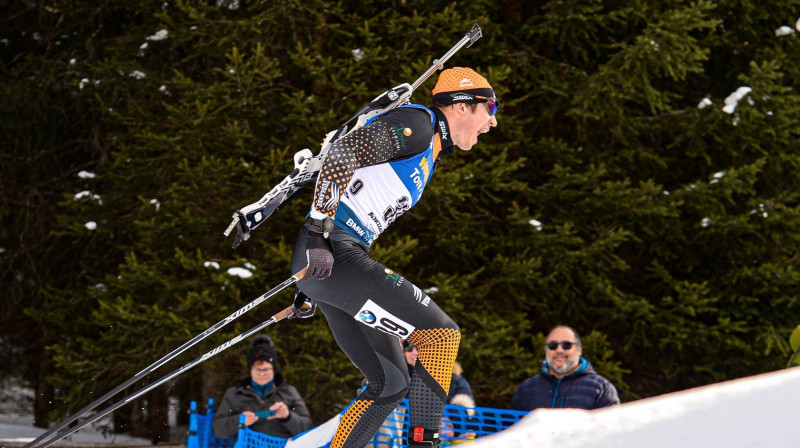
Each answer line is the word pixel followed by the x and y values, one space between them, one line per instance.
pixel 300 274
pixel 283 314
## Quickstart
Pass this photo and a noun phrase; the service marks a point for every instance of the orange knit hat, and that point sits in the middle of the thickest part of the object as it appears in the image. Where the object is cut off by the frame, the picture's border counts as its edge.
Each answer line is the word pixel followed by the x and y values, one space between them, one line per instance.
pixel 461 85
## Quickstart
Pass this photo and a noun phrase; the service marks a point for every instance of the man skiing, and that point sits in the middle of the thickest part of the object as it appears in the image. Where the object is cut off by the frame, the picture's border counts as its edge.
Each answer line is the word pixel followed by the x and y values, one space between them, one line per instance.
pixel 370 177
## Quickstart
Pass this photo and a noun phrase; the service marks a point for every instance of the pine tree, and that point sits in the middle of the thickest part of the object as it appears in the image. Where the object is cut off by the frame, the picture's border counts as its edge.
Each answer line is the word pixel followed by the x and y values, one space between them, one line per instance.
pixel 619 194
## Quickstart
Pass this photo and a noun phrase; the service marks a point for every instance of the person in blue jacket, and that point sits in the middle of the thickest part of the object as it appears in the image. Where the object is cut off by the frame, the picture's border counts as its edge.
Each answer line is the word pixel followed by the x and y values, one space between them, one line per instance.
pixel 567 379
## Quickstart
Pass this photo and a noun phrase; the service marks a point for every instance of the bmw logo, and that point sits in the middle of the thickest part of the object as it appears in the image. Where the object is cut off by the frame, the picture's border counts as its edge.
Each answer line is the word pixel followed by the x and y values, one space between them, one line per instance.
pixel 367 317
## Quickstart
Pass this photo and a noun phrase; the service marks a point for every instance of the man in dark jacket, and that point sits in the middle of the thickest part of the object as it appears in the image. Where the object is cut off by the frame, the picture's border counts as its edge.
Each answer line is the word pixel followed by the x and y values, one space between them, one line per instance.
pixel 264 390
pixel 567 379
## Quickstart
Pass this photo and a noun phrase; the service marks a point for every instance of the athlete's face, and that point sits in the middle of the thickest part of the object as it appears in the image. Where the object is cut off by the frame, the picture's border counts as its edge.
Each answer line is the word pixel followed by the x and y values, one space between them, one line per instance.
pixel 470 124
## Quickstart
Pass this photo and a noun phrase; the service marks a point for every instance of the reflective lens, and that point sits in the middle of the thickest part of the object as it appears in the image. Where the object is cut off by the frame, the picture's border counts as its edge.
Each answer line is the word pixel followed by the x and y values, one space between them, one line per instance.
pixel 492 106
pixel 565 344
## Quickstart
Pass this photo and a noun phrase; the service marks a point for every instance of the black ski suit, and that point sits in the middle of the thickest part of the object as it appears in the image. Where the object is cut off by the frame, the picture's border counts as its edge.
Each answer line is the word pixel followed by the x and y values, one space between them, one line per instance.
pixel 369 178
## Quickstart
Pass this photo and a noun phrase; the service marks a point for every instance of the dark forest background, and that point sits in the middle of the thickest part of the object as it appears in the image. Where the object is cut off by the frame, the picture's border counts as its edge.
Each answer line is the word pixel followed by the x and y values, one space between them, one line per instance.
pixel 665 232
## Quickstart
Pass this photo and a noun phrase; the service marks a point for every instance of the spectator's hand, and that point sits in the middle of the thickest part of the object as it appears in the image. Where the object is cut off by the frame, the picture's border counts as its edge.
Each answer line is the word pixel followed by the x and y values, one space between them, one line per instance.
pixel 281 410
pixel 303 306
pixel 318 252
pixel 250 418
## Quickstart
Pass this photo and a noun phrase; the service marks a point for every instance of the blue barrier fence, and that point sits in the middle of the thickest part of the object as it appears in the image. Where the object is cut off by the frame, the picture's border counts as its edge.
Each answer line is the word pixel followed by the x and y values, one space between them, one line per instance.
pixel 201 434
pixel 459 425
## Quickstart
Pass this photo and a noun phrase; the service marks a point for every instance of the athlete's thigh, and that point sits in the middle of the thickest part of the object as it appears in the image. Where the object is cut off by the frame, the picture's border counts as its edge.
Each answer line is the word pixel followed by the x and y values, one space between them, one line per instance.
pixel 378 355
pixel 381 299
pixel 393 304
pixel 372 293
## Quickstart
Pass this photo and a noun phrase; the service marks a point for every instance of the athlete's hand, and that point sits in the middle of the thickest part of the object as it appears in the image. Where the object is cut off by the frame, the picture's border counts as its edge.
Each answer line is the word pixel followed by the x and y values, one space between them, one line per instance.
pixel 318 253
pixel 303 307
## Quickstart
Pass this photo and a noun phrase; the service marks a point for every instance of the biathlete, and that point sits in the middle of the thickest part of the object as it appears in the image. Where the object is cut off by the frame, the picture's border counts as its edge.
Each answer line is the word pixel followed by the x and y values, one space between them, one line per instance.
pixel 369 178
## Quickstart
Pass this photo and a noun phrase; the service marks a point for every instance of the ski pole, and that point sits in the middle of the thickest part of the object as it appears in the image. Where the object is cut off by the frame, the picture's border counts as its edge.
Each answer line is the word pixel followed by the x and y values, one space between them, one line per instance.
pixel 402 93
pixel 277 317
pixel 291 280
pixel 470 38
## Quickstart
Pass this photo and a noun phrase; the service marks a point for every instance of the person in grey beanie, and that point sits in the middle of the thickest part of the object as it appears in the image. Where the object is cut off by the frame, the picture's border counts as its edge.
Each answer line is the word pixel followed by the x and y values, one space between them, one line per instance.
pixel 269 404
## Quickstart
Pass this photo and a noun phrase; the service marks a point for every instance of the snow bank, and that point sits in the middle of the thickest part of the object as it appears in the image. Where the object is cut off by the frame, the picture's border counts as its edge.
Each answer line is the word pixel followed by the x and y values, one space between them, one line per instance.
pixel 759 411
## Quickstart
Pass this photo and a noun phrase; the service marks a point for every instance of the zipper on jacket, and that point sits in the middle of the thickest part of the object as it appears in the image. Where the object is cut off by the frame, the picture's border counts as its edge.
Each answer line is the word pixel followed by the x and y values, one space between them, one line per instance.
pixel 555 394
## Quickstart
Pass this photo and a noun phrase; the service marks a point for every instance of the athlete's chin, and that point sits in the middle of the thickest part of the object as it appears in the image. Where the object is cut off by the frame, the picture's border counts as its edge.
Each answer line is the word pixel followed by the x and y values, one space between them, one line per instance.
pixel 468 145
pixel 475 138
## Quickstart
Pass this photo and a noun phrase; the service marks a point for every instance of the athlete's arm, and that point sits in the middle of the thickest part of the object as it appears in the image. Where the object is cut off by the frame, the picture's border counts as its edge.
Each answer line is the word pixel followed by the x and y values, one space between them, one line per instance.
pixel 399 133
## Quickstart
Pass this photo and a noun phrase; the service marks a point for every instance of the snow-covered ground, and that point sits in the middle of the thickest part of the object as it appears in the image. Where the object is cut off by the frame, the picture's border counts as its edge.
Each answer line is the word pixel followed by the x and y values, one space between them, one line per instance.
pixel 759 411
pixel 16 421
pixel 21 429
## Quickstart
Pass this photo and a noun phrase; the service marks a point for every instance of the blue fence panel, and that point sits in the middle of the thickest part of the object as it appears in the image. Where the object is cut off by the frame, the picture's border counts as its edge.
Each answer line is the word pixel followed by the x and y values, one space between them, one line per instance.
pixel 459 425
pixel 201 431
pixel 192 438
pixel 247 438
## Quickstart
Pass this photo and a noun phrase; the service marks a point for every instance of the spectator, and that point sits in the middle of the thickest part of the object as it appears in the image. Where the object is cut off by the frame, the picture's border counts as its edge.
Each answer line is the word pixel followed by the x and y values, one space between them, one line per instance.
pixel 567 379
pixel 462 422
pixel 265 389
pixel 410 351
pixel 460 392
pixel 794 341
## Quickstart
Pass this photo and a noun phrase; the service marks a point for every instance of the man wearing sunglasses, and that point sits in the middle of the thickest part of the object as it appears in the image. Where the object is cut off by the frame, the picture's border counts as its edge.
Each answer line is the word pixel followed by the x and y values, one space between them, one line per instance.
pixel 567 379
pixel 370 177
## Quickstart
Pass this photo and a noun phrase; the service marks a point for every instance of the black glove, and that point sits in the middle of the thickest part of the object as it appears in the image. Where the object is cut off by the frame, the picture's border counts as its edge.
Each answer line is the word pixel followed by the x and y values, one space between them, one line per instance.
pixel 303 307
pixel 318 249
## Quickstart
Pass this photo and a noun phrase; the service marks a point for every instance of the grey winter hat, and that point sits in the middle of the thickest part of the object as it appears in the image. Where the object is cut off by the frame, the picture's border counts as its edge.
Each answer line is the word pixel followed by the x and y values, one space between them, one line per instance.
pixel 262 349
